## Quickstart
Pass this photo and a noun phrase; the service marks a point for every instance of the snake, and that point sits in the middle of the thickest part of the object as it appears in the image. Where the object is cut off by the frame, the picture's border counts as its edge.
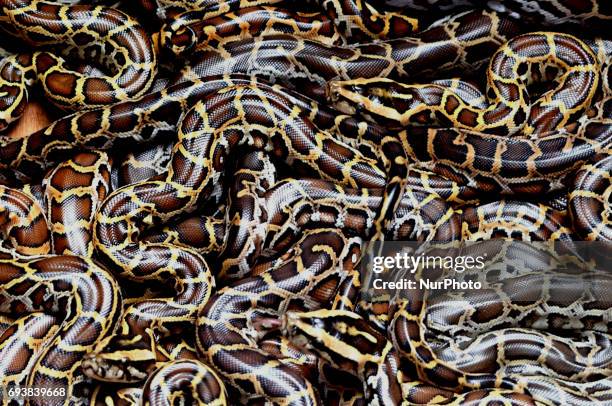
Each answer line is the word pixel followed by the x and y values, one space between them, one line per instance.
pixel 458 156
pixel 505 219
pixel 142 163
pixel 73 191
pixel 70 190
pixel 229 27
pixel 137 361
pixel 202 232
pixel 346 340
pixel 154 117
pixel 355 20
pixel 197 125
pixel 74 188
pixel 84 297
pixel 332 199
pixel 589 200
pixel 285 250
pixel 21 344
pixel 98 33
pixel 143 371
pixel 402 327
pixel 291 206
pixel 62 302
pixel 403 323
pixel 323 159
pixel 202 174
pixel 350 343
pixel 105 395
pixel 210 168
pixel 321 338
pixel 326 195
pixel 510 165
pixel 255 173
pixel 463 42
pixel 594 14
pixel 170 382
pixel 323 206
pixel 509 111
pixel 24 226
pixel 320 262
pixel 524 221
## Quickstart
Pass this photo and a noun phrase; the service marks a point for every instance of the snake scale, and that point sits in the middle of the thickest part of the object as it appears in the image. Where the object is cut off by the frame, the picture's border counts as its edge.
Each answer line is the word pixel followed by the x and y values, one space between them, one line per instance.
pixel 195 224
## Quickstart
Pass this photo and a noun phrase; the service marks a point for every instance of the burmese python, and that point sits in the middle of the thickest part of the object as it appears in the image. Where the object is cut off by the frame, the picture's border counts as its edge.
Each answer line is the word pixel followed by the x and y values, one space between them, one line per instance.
pixel 509 110
pixel 482 368
pixel 259 20
pixel 511 166
pixel 73 191
pixel 354 20
pixel 169 382
pixel 194 169
pixel 156 116
pixel 87 302
pixel 306 64
pixel 590 199
pixel 291 247
pixel 318 201
pixel 594 14
pixel 93 33
pixel 23 223
pixel 20 345
pixel 296 206
pixel 347 342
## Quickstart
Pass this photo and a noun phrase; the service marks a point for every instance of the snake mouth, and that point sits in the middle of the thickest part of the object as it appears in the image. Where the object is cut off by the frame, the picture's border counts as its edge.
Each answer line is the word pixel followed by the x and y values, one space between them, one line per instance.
pixel 289 323
pixel 124 366
pixel 334 93
pixel 93 368
pixel 97 368
pixel 287 320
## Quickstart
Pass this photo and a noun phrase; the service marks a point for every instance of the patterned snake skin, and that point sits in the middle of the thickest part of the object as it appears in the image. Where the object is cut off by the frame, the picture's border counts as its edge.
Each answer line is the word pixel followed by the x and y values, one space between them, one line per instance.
pixel 194 225
pixel 99 33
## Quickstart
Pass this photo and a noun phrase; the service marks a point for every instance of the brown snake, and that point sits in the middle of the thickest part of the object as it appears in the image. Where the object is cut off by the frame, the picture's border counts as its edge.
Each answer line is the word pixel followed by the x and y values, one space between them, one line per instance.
pixel 73 192
pixel 190 229
pixel 297 62
pixel 103 34
pixel 510 110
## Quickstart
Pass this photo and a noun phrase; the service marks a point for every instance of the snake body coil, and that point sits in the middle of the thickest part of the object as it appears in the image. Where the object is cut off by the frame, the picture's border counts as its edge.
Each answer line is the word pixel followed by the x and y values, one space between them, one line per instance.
pixel 100 33
pixel 194 225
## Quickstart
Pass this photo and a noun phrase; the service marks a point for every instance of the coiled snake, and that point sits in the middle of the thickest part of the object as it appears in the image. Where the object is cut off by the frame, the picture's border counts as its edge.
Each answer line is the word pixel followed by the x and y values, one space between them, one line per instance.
pixel 510 110
pixel 100 33
pixel 190 229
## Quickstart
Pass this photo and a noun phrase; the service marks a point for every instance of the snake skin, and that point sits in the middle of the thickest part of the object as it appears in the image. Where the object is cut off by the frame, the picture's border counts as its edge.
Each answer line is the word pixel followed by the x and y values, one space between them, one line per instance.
pixel 191 228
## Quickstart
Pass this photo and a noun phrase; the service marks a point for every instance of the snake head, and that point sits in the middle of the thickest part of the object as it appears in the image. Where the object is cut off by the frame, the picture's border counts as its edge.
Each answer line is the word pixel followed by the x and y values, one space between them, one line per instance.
pixel 338 336
pixel 342 95
pixel 377 100
pixel 120 360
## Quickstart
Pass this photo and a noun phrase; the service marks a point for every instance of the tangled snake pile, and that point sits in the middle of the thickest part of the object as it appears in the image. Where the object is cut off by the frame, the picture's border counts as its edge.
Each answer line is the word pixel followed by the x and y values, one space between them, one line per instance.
pixel 191 227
